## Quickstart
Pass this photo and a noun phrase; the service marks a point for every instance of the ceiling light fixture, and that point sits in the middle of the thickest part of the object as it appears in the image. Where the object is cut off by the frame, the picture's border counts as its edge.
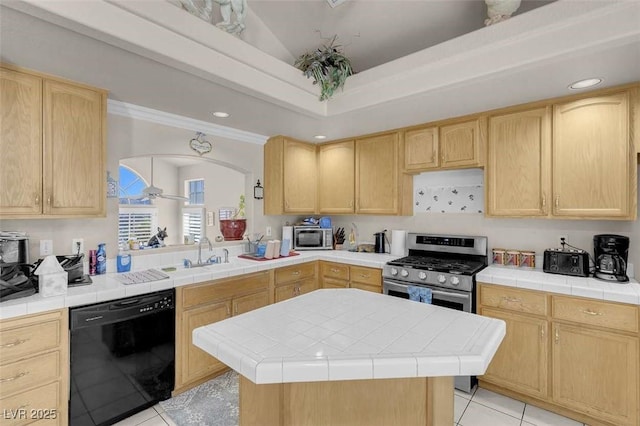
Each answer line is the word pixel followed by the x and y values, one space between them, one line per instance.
pixel 320 137
pixel 221 114
pixel 583 84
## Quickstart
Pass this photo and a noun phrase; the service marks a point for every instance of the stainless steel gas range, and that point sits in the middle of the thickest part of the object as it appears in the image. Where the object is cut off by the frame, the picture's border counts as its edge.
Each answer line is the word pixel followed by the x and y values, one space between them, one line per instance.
pixel 447 264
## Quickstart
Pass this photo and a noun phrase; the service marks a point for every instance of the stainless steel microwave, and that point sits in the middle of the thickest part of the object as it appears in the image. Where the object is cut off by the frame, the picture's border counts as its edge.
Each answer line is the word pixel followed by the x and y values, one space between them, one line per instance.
pixel 312 238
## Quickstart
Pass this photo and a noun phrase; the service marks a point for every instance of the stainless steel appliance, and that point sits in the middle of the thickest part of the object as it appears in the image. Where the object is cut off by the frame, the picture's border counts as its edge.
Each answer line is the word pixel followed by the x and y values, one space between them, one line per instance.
pixel 447 264
pixel 573 262
pixel 312 238
pixel 611 252
pixel 122 357
pixel 379 246
pixel 14 248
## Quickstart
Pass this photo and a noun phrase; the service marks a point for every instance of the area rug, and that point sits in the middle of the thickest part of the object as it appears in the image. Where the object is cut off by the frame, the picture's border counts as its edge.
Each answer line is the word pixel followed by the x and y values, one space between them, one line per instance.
pixel 213 403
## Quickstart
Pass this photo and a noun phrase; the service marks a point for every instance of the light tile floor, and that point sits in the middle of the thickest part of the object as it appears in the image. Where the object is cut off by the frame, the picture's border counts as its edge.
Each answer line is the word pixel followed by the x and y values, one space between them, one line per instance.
pixel 479 408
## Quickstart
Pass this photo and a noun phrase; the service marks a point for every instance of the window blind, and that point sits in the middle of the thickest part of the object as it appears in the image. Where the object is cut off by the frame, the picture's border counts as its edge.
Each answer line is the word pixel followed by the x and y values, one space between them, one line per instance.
pixel 136 224
pixel 192 222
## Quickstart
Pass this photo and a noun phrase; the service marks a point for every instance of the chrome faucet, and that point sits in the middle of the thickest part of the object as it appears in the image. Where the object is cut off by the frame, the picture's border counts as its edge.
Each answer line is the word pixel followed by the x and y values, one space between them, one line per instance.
pixel 204 239
pixel 226 255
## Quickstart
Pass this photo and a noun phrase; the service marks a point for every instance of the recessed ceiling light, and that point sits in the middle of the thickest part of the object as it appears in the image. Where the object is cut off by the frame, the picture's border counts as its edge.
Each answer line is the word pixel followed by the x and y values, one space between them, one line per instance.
pixel 221 114
pixel 320 137
pixel 583 84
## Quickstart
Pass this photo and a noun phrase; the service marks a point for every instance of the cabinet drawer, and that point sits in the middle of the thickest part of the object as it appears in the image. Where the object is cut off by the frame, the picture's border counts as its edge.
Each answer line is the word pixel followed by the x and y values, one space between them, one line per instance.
pixel 30 372
pixel 603 314
pixel 334 270
pixel 27 407
pixel 363 275
pixel 208 292
pixel 512 299
pixel 250 302
pixel 295 272
pixel 334 283
pixel 29 336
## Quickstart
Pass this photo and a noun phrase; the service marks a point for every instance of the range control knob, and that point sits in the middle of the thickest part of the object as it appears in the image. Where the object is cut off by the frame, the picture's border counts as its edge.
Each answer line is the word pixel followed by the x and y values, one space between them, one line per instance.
pixel 404 273
pixel 422 275
pixel 442 278
pixel 394 271
pixel 455 280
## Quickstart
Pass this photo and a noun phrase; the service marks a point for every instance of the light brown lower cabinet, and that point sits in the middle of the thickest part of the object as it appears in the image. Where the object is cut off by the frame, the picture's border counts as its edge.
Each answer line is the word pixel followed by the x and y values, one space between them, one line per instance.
pixel 338 275
pixel 201 304
pixel 288 291
pixel 575 356
pixel 294 280
pixel 34 369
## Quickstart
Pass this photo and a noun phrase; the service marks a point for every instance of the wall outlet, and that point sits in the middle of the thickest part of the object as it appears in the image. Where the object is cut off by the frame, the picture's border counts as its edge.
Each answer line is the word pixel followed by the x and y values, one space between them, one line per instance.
pixel 46 247
pixel 74 246
pixel 209 218
pixel 268 231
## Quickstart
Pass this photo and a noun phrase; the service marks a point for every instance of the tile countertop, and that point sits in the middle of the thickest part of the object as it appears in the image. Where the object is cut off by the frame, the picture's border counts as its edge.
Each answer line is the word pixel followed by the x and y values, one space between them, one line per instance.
pixel 535 279
pixel 351 334
pixel 106 287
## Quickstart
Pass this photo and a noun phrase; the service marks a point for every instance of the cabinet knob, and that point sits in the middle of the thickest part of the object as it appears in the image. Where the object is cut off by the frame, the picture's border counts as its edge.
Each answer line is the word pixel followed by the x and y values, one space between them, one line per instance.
pixel 542 331
pixel 334 270
pixel 557 336
pixel 592 313
pixel 228 311
pixel 49 200
pixel 37 200
pixel 295 273
pixel 351 203
pixel 364 275
pixel 544 201
pixel 511 299
pixel 557 201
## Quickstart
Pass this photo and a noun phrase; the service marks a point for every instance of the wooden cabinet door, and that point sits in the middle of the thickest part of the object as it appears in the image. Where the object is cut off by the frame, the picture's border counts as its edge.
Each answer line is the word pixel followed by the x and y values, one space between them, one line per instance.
pixel 377 175
pixel 20 143
pixel 196 363
pixel 294 289
pixel 250 302
pixel 300 174
pixel 520 364
pixel 596 373
pixel 421 149
pixel 593 162
pixel 518 164
pixel 336 169
pixel 334 283
pixel 74 150
pixel 460 144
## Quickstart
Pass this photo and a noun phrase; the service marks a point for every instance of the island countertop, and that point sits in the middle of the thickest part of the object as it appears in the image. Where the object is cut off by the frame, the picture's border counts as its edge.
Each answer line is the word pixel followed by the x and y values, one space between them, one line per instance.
pixel 350 334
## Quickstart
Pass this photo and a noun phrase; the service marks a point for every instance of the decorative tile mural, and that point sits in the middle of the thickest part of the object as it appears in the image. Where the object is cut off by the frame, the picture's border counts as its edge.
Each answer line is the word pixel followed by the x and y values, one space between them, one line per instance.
pixel 452 191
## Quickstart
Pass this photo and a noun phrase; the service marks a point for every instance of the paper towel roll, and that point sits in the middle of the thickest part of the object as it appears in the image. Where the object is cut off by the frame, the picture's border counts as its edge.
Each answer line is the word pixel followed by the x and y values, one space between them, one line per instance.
pixel 287 233
pixel 398 242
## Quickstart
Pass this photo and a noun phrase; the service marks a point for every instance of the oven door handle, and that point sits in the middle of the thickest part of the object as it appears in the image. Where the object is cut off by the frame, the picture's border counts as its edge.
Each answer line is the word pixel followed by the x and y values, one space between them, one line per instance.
pixel 445 294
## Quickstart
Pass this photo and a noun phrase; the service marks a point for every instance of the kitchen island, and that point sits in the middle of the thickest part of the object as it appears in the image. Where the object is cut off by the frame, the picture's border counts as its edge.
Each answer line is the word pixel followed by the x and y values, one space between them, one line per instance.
pixel 350 357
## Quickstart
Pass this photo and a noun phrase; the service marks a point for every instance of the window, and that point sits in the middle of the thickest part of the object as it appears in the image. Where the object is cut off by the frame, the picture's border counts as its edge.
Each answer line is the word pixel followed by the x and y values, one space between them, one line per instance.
pixel 137 224
pixel 195 191
pixel 131 185
pixel 193 223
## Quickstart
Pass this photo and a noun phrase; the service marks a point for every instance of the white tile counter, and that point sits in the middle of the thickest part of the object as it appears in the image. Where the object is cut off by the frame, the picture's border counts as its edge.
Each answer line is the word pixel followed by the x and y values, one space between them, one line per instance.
pixel 106 287
pixel 350 334
pixel 535 279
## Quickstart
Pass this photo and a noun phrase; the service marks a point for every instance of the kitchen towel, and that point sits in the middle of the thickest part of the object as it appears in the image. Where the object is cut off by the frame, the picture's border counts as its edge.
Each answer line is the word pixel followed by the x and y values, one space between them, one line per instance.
pixel 420 294
pixel 398 242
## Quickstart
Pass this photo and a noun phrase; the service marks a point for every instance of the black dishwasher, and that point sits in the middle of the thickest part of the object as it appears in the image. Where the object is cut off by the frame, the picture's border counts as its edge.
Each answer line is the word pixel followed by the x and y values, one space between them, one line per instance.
pixel 122 357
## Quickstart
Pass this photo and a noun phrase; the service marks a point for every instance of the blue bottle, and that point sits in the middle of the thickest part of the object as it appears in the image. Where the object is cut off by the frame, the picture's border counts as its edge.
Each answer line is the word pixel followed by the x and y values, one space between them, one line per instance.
pixel 101 259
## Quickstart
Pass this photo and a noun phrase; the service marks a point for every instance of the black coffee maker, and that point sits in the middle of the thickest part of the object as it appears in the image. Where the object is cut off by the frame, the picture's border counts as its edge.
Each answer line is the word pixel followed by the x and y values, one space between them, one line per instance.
pixel 611 253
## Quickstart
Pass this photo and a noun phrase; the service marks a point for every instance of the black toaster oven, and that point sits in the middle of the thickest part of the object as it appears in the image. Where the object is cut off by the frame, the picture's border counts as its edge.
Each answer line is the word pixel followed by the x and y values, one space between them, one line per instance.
pixel 566 262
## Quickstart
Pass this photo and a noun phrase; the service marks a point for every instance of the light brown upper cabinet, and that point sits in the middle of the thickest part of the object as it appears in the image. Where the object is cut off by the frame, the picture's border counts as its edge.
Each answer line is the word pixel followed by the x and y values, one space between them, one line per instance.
pixel 573 160
pixel 378 181
pixel 336 181
pixel 445 146
pixel 421 149
pixel 518 163
pixel 460 144
pixel 290 176
pixel 593 158
pixel 52 147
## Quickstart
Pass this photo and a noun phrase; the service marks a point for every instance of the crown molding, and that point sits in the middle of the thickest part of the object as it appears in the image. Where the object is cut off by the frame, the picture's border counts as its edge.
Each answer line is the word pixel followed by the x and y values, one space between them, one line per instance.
pixel 138 112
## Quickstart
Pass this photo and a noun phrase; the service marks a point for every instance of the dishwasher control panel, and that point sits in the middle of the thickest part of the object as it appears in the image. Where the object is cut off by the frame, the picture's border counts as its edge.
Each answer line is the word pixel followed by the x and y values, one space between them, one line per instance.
pixel 164 303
